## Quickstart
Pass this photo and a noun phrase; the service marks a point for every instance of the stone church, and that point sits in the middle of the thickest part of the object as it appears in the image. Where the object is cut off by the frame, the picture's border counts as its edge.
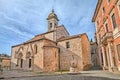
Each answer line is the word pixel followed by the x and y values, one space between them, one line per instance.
pixel 53 50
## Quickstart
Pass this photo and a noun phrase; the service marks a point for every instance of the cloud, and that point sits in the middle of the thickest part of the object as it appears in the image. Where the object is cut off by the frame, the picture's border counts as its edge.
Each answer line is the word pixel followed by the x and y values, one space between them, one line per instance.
pixel 20 20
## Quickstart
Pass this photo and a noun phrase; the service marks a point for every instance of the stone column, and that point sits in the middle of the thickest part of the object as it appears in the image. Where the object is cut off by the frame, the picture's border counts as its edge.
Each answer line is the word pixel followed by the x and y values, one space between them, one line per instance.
pixel 104 58
pixel 100 57
pixel 110 54
pixel 108 58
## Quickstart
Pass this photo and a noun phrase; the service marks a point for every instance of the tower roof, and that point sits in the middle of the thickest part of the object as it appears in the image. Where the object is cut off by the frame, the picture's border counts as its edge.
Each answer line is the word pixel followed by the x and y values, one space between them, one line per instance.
pixel 52 15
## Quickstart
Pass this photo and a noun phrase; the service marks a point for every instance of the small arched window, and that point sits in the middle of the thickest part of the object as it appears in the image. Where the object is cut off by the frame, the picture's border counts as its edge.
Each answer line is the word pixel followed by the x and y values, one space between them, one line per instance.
pixel 55 24
pixel 35 48
pixel 50 25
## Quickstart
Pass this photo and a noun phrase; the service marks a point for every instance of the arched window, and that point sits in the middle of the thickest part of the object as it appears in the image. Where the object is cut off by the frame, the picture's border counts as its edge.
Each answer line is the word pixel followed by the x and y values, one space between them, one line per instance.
pixel 35 49
pixel 50 25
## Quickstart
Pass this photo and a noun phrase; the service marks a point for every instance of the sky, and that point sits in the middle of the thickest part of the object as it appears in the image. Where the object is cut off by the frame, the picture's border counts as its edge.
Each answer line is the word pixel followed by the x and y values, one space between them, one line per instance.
pixel 21 20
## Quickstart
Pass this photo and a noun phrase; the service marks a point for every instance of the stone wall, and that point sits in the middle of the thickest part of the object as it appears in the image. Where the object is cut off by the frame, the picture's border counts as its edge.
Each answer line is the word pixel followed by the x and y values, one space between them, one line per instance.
pixel 86 52
pixel 67 55
pixel 52 56
pixel 51 59
pixel 50 35
pixel 61 32
pixel 36 58
pixel 49 43
pixel 27 52
pixel 13 57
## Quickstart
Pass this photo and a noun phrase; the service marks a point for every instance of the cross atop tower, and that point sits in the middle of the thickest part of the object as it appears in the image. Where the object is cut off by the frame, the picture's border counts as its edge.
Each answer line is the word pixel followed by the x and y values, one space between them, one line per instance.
pixel 52 9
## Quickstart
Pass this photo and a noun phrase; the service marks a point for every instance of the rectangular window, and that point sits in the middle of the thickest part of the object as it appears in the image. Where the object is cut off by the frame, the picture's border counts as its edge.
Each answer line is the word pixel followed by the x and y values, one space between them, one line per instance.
pixel 114 21
pixel 108 1
pixel 103 10
pixel 118 51
pixel 67 45
pixel 119 7
pixel 106 26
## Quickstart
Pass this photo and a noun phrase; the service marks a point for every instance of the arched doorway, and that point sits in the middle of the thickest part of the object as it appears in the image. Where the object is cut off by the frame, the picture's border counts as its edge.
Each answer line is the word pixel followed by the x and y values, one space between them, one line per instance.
pixel 20 60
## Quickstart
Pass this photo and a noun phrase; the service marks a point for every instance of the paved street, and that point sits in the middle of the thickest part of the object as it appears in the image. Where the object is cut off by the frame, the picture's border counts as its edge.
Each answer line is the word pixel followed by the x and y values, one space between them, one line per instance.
pixel 60 77
pixel 84 75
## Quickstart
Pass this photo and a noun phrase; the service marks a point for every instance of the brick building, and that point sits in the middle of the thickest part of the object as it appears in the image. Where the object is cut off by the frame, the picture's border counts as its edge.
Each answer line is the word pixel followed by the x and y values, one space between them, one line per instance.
pixel 52 51
pixel 107 20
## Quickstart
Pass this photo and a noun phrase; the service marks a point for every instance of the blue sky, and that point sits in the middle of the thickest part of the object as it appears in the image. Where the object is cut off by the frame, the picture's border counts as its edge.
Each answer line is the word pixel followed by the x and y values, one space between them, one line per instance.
pixel 20 20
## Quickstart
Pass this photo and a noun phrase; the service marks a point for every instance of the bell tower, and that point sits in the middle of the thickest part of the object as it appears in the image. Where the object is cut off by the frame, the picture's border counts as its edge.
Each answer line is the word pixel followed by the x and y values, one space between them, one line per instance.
pixel 52 21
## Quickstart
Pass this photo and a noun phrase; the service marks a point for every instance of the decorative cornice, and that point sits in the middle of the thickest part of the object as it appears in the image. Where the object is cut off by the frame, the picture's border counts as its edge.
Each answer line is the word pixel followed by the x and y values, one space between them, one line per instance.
pixel 97 10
